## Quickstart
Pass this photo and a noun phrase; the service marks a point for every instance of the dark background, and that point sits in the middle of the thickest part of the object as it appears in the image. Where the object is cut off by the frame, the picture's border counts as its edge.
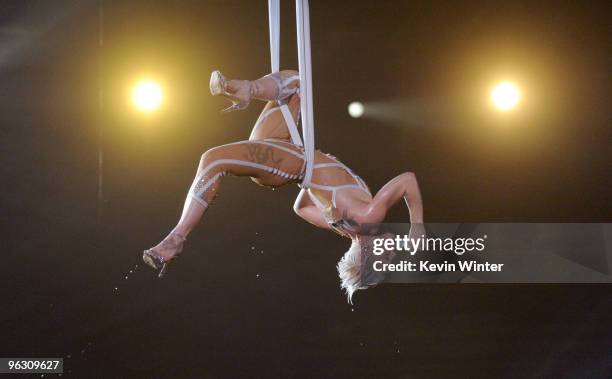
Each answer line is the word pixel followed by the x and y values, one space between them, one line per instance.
pixel 425 66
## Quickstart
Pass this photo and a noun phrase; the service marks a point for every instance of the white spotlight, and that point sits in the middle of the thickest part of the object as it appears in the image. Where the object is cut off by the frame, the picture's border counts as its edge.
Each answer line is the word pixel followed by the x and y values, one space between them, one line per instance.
pixel 147 95
pixel 505 96
pixel 355 109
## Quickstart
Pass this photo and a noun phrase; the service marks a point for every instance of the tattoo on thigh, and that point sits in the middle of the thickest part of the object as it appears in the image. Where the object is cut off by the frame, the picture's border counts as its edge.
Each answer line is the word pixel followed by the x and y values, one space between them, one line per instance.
pixel 261 154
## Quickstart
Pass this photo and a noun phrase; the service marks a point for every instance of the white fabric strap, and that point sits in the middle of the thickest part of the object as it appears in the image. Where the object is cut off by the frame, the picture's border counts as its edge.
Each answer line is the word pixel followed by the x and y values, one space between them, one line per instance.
pixel 293 130
pixel 302 16
pixel 326 165
pixel 274 24
pixel 274 20
pixel 303 38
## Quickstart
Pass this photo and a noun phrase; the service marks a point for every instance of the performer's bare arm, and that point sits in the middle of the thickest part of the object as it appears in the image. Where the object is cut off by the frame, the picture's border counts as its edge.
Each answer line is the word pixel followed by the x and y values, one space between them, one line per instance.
pixel 404 186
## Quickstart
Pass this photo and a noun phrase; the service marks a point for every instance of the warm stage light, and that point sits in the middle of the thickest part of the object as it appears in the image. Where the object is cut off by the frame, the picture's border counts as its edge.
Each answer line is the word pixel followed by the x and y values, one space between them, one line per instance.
pixel 505 96
pixel 355 109
pixel 147 95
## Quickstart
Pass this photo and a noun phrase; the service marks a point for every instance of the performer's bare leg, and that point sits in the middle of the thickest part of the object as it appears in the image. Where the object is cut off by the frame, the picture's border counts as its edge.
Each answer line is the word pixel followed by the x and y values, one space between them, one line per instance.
pixel 275 86
pixel 272 124
pixel 270 87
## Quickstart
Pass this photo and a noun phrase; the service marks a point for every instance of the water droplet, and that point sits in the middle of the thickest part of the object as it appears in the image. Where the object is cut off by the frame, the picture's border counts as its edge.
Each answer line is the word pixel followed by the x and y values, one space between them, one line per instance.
pixel 257 275
pixel 68 356
pixel 252 247
pixel 398 350
pixel 352 309
pixel 130 271
pixel 261 251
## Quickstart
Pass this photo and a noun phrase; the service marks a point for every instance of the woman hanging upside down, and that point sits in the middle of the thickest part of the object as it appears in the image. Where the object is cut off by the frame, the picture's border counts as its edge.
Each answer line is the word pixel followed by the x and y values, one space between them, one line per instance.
pixel 337 199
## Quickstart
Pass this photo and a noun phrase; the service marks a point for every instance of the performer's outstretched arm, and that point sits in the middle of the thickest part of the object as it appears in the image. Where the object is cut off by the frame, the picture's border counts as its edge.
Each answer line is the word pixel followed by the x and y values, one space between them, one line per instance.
pixel 404 186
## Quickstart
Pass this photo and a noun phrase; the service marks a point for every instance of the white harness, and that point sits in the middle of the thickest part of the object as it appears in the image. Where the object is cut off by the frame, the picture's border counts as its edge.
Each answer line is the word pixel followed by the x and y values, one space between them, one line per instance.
pixel 302 16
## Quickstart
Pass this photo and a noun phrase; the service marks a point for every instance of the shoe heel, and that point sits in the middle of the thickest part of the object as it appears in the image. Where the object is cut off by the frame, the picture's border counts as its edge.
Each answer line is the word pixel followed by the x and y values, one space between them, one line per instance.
pixel 156 262
pixel 234 107
pixel 163 270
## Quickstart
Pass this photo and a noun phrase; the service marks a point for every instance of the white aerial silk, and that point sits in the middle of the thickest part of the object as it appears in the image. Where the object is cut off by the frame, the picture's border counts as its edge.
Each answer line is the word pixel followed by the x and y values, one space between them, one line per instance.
pixel 302 16
pixel 274 20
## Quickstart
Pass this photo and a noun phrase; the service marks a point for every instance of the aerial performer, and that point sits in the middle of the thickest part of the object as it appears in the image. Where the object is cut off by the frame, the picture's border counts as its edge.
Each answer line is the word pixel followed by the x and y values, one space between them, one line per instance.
pixel 337 199
pixel 332 196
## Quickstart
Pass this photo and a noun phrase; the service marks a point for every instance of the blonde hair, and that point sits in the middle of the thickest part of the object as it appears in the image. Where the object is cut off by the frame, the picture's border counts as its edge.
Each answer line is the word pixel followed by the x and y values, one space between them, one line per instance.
pixel 355 268
pixel 350 270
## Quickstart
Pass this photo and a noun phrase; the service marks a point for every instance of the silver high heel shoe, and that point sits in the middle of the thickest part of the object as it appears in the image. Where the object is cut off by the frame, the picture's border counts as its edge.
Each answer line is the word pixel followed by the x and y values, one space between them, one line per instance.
pixel 153 258
pixel 218 87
